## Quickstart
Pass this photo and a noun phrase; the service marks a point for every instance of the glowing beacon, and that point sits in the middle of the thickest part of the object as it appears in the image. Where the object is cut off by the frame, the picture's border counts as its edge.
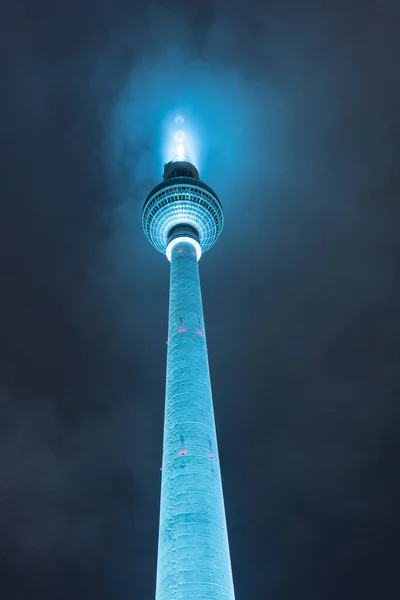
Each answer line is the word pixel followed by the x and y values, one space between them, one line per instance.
pixel 182 218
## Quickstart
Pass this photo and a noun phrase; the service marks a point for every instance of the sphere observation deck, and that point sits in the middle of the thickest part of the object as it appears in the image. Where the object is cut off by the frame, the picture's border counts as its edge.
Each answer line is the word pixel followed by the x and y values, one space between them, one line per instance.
pixel 182 206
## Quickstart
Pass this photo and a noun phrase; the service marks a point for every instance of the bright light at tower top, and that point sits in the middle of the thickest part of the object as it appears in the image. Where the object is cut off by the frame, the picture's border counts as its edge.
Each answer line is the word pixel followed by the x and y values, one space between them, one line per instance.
pixel 180 140
pixel 180 137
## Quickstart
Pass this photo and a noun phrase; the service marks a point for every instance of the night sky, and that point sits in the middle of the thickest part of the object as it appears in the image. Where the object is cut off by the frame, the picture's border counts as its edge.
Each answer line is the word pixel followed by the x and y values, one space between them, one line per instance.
pixel 295 109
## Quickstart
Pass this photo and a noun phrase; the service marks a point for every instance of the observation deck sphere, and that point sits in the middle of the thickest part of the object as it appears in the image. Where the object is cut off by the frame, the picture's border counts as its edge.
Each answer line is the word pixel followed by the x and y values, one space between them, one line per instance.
pixel 182 199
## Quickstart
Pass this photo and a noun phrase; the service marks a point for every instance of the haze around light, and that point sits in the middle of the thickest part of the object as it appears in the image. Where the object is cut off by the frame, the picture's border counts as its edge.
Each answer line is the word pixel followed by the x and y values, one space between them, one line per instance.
pixel 218 111
pixel 179 140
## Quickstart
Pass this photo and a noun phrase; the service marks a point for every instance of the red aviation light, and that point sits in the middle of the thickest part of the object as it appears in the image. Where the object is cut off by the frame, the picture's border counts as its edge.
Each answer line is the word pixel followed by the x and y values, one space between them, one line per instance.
pixel 180 250
pixel 199 332
pixel 181 329
pixel 182 452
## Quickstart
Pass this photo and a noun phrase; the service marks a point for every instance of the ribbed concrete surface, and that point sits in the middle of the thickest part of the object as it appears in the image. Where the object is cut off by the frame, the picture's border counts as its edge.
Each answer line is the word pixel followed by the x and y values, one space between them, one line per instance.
pixel 193 553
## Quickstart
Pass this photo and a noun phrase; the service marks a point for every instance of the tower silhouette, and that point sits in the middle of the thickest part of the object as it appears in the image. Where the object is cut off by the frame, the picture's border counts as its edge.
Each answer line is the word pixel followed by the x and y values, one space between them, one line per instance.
pixel 182 218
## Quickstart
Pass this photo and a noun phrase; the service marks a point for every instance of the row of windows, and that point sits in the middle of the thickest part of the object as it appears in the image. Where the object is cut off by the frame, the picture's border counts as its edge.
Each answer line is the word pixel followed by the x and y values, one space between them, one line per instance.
pixel 192 192
pixel 201 187
pixel 173 198
pixel 209 225
pixel 159 233
pixel 180 198
pixel 218 223
pixel 152 210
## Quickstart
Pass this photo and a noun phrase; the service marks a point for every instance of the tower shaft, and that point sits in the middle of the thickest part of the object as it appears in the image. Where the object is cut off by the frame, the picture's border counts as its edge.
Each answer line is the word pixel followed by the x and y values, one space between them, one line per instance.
pixel 193 551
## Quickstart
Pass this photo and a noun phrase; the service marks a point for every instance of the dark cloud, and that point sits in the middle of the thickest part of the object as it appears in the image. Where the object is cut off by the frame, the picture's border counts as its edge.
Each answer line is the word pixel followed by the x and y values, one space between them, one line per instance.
pixel 295 110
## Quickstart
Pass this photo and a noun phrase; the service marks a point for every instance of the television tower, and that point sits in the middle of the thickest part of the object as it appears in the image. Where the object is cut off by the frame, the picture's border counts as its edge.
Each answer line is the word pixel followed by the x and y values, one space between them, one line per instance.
pixel 182 217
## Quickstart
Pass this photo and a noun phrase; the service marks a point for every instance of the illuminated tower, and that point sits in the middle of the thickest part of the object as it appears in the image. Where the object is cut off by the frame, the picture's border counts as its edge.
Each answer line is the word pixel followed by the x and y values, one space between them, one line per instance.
pixel 182 217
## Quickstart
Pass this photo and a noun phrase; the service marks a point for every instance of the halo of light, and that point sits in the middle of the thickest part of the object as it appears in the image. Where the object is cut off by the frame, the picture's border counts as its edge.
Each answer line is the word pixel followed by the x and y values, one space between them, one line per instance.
pixel 181 240
pixel 180 137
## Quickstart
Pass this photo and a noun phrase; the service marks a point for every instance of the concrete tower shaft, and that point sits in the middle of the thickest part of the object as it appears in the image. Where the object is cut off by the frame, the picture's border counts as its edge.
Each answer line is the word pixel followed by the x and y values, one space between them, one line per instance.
pixel 193 554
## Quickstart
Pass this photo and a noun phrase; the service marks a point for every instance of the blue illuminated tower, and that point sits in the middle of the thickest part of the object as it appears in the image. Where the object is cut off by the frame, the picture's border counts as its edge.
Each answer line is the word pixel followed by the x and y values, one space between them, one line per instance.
pixel 182 217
